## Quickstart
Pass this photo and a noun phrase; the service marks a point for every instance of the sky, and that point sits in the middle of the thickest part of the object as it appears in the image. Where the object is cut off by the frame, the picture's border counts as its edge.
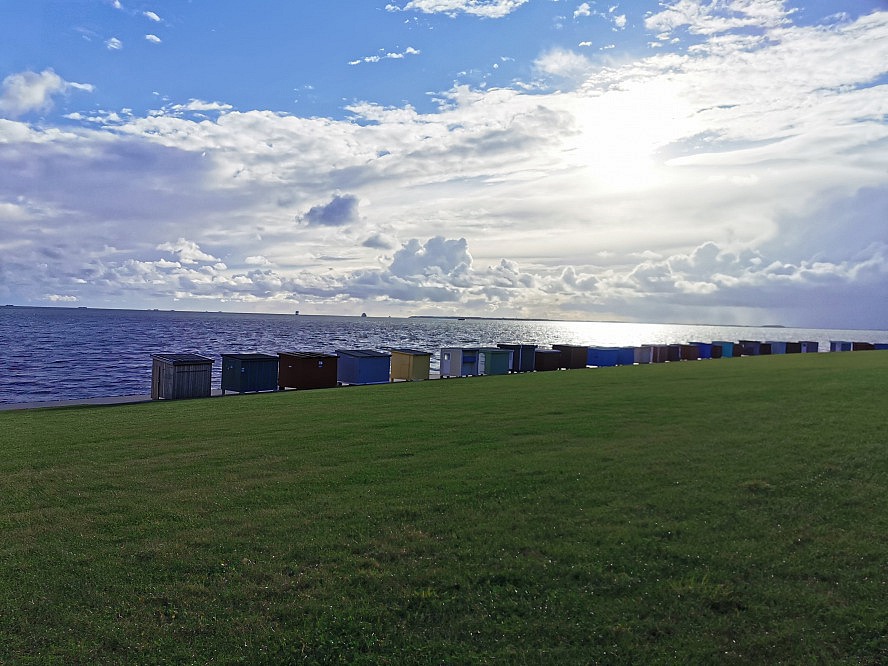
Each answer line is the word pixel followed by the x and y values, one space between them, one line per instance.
pixel 694 161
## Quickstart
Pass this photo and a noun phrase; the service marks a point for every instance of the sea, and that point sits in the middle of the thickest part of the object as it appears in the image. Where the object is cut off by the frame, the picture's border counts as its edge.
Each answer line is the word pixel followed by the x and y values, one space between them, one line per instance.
pixel 50 354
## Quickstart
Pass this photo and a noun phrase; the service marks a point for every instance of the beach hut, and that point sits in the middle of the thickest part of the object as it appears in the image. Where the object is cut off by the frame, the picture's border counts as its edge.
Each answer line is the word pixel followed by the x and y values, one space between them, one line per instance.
pixel 249 373
pixel 793 347
pixel 179 376
pixel 523 356
pixel 306 370
pixel 659 353
pixel 603 357
pixel 880 346
pixel 777 347
pixel 494 361
pixel 689 352
pixel 750 347
pixel 625 355
pixel 642 354
pixel 411 365
pixel 673 353
pixel 363 366
pixel 808 347
pixel 862 346
pixel 572 356
pixel 459 361
pixel 840 345
pixel 704 349
pixel 547 359
pixel 727 348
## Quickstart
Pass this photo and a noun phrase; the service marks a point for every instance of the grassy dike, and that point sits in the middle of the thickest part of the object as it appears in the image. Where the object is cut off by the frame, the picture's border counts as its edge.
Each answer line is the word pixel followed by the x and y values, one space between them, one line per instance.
pixel 730 511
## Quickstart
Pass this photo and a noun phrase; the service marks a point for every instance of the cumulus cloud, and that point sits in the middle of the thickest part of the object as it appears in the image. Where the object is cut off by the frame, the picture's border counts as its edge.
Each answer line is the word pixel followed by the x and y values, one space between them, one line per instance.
pixel 154 39
pixel 342 210
pixel 380 241
pixel 583 10
pixel 652 188
pixel 187 252
pixel 113 44
pixel 29 91
pixel 563 64
pixel 438 256
pixel 151 16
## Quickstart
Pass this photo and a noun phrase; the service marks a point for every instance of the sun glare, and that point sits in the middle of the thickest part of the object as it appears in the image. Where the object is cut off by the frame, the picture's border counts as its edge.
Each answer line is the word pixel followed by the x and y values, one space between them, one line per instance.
pixel 620 133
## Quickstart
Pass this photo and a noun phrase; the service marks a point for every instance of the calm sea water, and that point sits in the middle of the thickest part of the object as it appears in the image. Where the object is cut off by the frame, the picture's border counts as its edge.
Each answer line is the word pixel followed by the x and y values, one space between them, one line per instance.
pixel 62 353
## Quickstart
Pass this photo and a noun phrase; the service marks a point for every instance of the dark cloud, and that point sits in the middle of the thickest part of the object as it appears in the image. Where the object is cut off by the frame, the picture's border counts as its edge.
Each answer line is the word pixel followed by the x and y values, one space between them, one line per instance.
pixel 342 210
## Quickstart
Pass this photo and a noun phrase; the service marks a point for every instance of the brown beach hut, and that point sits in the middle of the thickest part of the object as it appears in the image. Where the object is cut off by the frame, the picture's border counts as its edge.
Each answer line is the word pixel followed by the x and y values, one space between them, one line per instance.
pixel 306 370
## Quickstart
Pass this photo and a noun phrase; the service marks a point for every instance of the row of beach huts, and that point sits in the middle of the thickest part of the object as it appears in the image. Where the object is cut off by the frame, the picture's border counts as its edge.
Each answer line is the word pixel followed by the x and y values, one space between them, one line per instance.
pixel 178 376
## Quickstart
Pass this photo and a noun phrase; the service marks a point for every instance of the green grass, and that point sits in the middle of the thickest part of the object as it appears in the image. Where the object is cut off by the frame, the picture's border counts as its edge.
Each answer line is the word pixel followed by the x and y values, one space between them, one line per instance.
pixel 728 512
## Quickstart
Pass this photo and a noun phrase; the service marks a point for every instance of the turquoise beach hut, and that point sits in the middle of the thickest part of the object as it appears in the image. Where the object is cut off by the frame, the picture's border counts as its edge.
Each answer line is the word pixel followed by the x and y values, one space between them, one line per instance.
pixel 494 361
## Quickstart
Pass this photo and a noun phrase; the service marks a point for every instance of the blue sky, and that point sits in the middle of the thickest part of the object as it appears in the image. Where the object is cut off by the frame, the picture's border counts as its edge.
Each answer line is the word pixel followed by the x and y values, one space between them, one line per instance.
pixel 715 161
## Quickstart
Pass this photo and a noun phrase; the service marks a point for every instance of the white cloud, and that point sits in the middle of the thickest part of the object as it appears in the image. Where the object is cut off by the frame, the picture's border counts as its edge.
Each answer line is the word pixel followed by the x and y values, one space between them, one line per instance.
pixel 708 18
pixel 583 10
pixel 113 44
pixel 386 56
pixel 482 8
pixel 29 91
pixel 151 16
pixel 154 39
pixel 188 252
pixel 653 188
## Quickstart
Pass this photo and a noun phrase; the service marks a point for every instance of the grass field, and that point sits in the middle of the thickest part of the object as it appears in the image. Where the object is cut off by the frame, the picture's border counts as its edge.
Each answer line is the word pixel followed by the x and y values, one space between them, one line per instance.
pixel 728 512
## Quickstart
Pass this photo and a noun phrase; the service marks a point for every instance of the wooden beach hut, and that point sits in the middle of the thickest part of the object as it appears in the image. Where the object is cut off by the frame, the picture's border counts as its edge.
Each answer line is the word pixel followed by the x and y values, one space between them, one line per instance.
pixel 523 356
pixel 777 347
pixel 689 352
pixel 547 359
pixel 363 366
pixel 410 365
pixel 750 347
pixel 809 347
pixel 572 356
pixel 180 376
pixel 459 361
pixel 249 373
pixel 306 370
pixel 862 346
pixel 840 345
pixel 642 354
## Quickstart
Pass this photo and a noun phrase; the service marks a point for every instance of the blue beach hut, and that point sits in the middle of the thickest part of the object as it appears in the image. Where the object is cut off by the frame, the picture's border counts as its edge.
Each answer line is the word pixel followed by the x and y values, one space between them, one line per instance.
pixel 363 366
pixel 839 345
pixel 704 349
pixel 603 357
pixel 809 347
pixel 777 347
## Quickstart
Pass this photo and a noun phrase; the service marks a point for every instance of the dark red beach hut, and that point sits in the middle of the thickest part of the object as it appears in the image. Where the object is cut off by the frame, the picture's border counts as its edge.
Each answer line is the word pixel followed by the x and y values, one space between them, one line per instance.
pixel 306 370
